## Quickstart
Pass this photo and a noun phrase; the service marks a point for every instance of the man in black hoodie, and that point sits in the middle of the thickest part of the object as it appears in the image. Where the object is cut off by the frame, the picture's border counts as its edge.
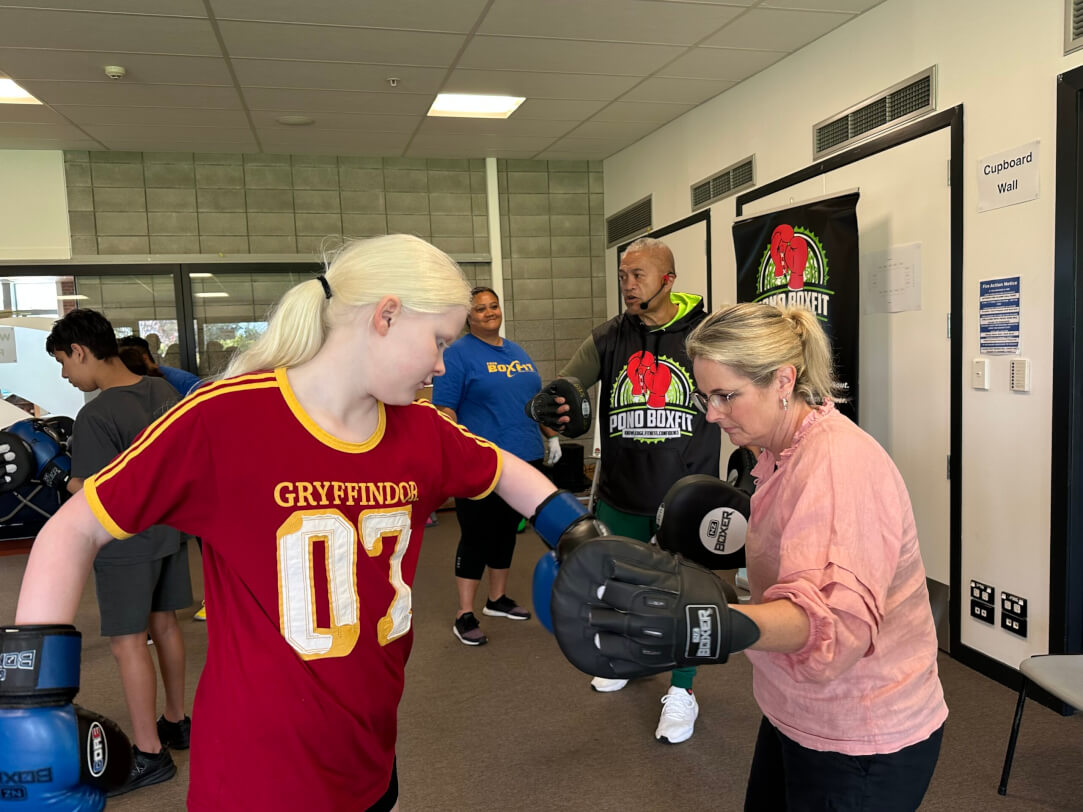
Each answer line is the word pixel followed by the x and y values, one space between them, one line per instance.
pixel 651 432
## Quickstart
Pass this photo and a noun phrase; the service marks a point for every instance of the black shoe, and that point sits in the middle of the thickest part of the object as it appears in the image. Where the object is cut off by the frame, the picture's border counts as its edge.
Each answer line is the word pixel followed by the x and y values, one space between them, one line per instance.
pixel 175 735
pixel 147 769
pixel 505 607
pixel 468 631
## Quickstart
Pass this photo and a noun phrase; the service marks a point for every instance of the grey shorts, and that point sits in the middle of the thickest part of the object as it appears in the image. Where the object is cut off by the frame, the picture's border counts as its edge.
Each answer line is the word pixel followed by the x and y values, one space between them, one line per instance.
pixel 128 593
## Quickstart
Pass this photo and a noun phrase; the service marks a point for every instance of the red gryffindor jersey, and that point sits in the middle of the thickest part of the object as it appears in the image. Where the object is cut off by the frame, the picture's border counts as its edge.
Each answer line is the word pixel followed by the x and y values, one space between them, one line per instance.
pixel 310 545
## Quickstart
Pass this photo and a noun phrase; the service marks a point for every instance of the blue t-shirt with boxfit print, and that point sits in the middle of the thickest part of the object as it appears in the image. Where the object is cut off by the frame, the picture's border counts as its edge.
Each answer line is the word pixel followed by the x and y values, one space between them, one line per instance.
pixel 488 387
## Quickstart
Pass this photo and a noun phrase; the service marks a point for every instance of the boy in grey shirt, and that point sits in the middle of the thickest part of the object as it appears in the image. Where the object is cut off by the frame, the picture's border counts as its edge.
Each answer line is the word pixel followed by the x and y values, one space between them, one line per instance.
pixel 141 580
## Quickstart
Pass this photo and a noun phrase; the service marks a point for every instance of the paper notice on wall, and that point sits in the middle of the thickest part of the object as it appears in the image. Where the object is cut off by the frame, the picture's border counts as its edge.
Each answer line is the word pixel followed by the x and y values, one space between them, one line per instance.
pixel 998 316
pixel 891 280
pixel 7 345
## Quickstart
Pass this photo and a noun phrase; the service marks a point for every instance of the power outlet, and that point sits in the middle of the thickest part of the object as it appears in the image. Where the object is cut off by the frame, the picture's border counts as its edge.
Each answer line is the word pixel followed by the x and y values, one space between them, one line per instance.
pixel 982 611
pixel 982 592
pixel 1014 624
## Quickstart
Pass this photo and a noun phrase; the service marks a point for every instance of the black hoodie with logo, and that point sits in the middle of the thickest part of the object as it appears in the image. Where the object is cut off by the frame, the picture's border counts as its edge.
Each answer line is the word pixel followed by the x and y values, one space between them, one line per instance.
pixel 651 432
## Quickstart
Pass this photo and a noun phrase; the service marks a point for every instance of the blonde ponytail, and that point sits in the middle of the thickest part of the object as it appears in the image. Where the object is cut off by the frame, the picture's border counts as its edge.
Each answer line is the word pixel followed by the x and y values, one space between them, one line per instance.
pixel 422 276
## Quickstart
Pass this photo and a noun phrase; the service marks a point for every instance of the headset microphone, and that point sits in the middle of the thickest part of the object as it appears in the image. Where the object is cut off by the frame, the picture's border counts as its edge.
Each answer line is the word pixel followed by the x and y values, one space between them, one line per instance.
pixel 646 304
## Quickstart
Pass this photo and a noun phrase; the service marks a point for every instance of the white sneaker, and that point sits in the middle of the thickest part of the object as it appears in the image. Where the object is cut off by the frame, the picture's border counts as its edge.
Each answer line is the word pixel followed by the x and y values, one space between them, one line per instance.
pixel 678 720
pixel 607 686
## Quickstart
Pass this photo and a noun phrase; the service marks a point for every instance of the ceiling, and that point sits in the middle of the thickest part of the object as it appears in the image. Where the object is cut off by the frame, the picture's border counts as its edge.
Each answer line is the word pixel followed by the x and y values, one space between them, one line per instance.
pixel 214 75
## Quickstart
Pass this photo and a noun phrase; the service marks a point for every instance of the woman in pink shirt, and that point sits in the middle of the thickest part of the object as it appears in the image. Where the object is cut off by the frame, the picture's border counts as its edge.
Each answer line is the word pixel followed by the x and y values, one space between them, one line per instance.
pixel 845 668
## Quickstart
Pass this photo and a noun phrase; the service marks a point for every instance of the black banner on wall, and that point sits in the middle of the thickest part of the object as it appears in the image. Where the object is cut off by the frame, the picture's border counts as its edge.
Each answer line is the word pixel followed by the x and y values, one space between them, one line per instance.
pixel 807 255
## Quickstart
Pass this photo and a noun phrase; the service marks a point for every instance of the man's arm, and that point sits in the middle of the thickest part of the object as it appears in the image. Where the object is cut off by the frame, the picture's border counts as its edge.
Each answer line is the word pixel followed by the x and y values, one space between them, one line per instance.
pixel 75 484
pixel 586 364
pixel 59 563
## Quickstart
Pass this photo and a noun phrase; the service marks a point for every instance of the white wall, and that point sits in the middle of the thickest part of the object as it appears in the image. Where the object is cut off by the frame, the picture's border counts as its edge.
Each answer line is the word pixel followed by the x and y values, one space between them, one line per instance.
pixel 1000 59
pixel 33 205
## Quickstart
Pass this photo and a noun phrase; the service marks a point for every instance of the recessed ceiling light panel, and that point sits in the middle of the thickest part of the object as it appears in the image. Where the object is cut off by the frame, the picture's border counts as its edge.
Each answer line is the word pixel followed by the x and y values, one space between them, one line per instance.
pixel 11 93
pixel 211 294
pixel 463 105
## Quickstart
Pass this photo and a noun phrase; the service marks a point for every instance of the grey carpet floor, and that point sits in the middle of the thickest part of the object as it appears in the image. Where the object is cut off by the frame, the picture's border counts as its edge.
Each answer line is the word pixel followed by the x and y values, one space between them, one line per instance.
pixel 512 726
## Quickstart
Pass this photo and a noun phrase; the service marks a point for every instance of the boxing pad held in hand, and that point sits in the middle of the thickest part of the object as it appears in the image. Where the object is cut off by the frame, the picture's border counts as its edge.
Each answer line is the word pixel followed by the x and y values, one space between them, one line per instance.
pixel 543 407
pixel 706 521
pixel 624 609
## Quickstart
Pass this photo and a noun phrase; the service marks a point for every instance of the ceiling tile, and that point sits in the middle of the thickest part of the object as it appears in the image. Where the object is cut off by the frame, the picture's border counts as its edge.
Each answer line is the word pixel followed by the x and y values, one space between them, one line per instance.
pixel 327 44
pixel 440 149
pixel 151 135
pixel 163 143
pixel 333 75
pixel 333 142
pixel 642 111
pixel 44 141
pixel 337 101
pixel 122 94
pixel 418 15
pixel 689 91
pixel 849 6
pixel 28 113
pixel 485 143
pixel 607 20
pixel 265 119
pixel 777 30
pixel 25 63
pixel 521 53
pixel 538 85
pixel 512 126
pixel 27 129
pixel 561 109
pixel 182 8
pixel 152 116
pixel 86 31
pixel 730 64
pixel 614 130
pixel 583 149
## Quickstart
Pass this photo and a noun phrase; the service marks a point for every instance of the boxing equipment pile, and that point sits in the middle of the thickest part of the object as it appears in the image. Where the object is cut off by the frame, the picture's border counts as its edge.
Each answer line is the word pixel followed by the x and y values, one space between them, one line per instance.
pixel 35 451
pixel 53 755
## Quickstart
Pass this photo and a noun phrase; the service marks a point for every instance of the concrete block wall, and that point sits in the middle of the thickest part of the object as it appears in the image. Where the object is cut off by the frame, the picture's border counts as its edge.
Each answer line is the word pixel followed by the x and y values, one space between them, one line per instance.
pixel 552 227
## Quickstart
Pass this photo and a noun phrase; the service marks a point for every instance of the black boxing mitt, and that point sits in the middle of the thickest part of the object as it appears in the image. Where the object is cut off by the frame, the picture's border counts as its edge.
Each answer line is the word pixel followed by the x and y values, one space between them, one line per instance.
pixel 705 520
pixel 624 609
pixel 543 408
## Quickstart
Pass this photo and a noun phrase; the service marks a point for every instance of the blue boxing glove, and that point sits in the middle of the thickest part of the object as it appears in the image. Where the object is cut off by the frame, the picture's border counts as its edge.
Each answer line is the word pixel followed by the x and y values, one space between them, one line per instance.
pixel 51 463
pixel 53 755
pixel 564 524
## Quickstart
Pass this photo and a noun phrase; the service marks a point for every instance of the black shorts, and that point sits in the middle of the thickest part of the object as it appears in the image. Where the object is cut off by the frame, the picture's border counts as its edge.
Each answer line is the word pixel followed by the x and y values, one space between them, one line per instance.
pixel 391 797
pixel 128 593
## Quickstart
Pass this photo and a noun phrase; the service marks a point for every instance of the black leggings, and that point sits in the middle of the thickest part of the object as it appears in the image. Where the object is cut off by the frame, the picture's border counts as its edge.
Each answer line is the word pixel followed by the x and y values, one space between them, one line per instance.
pixel 787 777
pixel 488 527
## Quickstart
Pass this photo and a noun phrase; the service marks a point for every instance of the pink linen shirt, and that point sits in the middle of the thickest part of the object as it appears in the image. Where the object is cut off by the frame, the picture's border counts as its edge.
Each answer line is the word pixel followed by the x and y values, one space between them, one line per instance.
pixel 832 530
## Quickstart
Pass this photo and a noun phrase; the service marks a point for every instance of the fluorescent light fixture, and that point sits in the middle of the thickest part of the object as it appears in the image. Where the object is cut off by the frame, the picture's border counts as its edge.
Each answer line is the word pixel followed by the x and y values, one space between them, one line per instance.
pixel 461 105
pixel 200 275
pixel 70 297
pixel 212 294
pixel 11 93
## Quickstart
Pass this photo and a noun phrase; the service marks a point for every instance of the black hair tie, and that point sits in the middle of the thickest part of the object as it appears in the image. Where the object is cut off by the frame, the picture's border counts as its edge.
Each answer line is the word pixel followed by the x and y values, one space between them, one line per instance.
pixel 326 286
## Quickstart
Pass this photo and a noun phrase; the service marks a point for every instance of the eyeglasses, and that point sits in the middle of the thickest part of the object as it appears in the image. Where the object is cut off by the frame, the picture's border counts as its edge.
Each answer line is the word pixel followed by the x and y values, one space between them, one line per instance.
pixel 722 402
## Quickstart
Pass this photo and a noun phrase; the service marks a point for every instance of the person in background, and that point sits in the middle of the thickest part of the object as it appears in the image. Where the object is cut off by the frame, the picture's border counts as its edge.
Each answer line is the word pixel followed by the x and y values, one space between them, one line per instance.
pixel 141 581
pixel 845 670
pixel 181 380
pixel 487 382
pixel 646 381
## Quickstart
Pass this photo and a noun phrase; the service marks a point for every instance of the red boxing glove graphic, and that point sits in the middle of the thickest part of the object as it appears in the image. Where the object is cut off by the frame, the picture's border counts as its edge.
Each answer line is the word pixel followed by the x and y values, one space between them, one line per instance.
pixel 790 255
pixel 637 364
pixel 657 379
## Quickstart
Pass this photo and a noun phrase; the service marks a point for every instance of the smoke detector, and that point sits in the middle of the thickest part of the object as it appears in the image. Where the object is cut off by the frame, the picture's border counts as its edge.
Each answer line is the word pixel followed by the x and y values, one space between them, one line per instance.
pixel 115 71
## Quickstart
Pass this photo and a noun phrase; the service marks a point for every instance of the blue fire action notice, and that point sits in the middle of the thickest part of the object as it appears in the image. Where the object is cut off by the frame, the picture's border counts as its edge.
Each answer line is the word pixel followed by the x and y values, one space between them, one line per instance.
pixel 998 316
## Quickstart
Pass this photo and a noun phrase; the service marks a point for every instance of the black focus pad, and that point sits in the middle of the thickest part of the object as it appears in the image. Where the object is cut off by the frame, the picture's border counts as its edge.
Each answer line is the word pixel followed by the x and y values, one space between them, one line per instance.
pixel 17 464
pixel 543 407
pixel 705 520
pixel 624 609
pixel 739 470
pixel 105 752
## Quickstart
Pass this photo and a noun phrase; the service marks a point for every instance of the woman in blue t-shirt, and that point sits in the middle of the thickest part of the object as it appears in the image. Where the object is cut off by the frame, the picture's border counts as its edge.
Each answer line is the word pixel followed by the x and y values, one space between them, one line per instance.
pixel 485 388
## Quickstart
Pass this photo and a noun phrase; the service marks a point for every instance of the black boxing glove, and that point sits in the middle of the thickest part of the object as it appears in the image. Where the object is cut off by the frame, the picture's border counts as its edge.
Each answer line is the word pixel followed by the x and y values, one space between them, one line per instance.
pixel 543 407
pixel 624 609
pixel 705 520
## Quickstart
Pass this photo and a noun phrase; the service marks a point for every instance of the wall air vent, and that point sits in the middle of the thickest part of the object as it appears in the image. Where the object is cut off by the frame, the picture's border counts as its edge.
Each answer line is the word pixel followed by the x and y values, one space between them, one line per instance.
pixel 1073 25
pixel 722 184
pixel 629 222
pixel 898 104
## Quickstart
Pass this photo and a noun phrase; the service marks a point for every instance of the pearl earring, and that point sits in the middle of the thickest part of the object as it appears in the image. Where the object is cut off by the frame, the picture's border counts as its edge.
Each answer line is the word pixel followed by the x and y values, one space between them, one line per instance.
pixel 785 404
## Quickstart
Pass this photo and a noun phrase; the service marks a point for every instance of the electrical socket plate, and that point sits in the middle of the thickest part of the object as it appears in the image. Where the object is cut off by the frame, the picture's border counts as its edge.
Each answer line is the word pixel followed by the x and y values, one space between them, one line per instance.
pixel 982 592
pixel 982 611
pixel 1013 623
pixel 1013 604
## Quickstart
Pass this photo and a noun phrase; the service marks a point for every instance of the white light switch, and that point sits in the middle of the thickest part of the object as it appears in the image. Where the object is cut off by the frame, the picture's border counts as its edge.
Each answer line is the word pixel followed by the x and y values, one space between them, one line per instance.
pixel 979 373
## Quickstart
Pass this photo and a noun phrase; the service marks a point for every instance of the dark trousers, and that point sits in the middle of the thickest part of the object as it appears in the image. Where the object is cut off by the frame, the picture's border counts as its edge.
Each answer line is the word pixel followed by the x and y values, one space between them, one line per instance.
pixel 787 776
